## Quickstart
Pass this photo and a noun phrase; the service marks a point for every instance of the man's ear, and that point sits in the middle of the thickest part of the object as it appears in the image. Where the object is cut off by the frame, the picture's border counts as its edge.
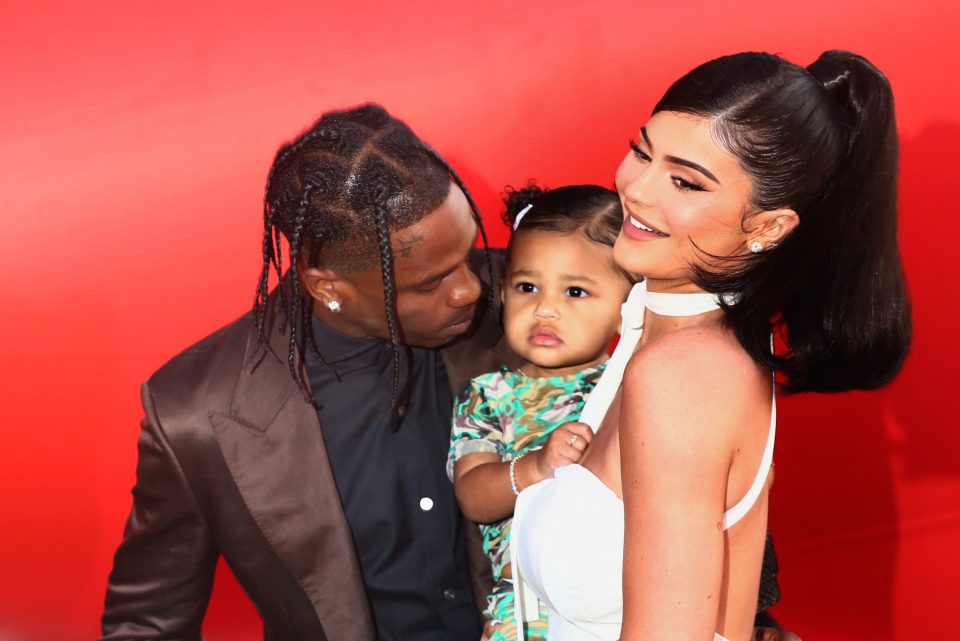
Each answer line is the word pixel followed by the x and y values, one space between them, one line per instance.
pixel 323 284
pixel 769 228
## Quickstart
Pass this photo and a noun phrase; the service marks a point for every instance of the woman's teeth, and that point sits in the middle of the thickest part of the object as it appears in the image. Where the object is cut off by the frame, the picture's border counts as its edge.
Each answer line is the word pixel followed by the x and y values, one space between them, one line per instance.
pixel 636 223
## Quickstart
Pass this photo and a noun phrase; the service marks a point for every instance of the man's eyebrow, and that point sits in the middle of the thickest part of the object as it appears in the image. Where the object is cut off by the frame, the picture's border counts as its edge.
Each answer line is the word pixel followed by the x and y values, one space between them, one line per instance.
pixel 680 161
pixel 429 279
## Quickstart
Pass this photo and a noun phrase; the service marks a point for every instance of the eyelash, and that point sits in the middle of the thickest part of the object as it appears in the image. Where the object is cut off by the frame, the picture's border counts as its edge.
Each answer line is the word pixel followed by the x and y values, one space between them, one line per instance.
pixel 572 292
pixel 427 290
pixel 681 184
pixel 639 153
pixel 520 287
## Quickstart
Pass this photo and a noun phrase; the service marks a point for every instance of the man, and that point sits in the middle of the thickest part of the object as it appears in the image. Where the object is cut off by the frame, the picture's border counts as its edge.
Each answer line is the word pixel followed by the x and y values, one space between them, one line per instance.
pixel 306 442
pixel 323 526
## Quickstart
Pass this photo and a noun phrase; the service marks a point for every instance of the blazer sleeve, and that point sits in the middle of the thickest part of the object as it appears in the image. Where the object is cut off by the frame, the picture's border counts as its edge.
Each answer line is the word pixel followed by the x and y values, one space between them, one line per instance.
pixel 163 571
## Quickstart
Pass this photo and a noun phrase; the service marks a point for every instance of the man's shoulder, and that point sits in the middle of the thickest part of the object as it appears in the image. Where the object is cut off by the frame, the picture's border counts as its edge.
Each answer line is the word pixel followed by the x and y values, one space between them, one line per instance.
pixel 199 367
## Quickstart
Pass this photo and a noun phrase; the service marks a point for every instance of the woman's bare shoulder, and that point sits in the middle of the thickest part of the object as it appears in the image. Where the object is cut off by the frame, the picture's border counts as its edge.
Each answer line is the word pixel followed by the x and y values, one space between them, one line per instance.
pixel 693 353
pixel 689 378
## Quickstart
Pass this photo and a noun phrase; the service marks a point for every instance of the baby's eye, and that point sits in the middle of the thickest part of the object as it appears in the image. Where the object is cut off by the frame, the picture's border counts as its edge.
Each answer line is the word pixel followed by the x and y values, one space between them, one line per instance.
pixel 526 288
pixel 577 292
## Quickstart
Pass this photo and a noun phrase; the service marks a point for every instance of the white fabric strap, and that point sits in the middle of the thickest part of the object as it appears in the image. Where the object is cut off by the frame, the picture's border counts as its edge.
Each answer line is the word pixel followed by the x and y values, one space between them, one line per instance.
pixel 526 606
pixel 738 511
pixel 631 329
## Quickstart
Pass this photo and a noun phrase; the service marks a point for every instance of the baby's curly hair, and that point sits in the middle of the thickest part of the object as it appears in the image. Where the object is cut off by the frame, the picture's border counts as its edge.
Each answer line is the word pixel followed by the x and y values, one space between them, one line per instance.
pixel 592 209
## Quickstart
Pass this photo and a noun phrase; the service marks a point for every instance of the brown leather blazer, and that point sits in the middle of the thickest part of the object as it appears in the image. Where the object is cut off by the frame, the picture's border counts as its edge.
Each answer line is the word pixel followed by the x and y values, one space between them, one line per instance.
pixel 232 462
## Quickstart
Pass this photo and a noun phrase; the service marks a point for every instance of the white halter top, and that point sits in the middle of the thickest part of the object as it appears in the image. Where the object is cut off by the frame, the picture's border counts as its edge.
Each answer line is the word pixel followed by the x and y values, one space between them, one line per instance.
pixel 584 595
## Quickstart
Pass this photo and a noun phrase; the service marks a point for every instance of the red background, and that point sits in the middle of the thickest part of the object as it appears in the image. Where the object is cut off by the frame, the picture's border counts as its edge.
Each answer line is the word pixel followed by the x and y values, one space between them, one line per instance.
pixel 134 144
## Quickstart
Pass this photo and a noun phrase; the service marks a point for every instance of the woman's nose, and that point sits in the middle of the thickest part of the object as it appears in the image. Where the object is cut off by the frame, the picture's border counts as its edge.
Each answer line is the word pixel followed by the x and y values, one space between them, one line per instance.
pixel 637 189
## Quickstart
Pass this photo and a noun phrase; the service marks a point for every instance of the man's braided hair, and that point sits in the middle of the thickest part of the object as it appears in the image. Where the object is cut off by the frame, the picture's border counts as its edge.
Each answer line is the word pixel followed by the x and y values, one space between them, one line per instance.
pixel 347 182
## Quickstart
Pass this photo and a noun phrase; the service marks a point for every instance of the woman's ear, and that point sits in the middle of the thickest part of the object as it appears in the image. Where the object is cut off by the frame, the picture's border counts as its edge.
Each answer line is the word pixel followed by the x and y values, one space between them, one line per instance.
pixel 767 229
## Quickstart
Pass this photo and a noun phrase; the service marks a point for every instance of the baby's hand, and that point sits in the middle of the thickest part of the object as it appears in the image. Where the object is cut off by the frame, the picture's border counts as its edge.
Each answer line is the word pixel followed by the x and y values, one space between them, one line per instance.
pixel 565 446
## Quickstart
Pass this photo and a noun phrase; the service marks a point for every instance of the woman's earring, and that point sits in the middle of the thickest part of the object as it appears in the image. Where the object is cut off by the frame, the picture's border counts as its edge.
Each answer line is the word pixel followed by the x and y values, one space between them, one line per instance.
pixel 756 247
pixel 334 306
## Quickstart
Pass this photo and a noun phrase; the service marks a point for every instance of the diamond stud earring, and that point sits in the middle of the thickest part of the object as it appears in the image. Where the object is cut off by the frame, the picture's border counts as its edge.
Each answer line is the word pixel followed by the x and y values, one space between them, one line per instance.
pixel 756 247
pixel 334 306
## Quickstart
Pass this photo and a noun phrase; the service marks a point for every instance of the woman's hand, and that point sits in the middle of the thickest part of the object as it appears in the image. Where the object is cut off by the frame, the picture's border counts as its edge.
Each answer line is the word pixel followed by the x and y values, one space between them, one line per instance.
pixel 565 446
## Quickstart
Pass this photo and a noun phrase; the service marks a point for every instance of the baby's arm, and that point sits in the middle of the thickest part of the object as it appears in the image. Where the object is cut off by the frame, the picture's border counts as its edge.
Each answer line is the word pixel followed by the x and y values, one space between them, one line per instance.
pixel 481 480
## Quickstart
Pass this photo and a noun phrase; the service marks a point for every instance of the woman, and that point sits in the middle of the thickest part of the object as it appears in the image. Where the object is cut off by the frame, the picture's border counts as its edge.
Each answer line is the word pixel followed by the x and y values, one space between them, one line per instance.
pixel 759 199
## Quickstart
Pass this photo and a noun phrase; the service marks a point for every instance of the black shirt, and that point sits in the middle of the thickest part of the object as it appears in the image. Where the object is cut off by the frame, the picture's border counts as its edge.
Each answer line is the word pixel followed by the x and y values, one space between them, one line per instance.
pixel 392 483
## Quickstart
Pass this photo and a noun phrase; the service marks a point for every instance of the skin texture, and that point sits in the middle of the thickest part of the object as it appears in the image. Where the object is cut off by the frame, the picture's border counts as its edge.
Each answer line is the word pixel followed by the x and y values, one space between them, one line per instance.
pixel 562 296
pixel 683 441
pixel 688 208
pixel 436 290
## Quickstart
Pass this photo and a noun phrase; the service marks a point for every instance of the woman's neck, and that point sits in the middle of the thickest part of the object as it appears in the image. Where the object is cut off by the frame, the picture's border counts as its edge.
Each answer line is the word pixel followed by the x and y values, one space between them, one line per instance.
pixel 655 325
pixel 662 314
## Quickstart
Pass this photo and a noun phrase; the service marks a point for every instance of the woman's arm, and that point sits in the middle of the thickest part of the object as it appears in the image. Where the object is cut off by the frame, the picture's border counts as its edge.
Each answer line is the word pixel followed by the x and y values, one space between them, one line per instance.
pixel 680 403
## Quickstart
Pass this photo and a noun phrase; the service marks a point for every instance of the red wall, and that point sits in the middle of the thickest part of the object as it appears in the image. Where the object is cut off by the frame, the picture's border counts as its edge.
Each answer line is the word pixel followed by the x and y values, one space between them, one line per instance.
pixel 134 144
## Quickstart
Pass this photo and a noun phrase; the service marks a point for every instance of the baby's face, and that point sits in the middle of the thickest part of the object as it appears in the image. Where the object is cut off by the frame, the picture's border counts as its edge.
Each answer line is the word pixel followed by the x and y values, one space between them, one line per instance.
pixel 562 295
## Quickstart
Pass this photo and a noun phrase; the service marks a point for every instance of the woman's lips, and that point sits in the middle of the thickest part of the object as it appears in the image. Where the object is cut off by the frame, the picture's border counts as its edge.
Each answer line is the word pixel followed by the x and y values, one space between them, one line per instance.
pixel 638 229
pixel 544 337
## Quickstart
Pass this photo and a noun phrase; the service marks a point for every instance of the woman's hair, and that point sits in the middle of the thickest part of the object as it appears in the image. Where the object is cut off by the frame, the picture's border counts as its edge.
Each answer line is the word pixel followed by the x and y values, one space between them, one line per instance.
pixel 335 191
pixel 821 141
pixel 592 210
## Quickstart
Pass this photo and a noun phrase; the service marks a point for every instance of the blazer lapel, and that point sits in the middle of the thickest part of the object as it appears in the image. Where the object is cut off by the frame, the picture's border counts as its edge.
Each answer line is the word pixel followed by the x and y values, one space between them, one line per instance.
pixel 273 445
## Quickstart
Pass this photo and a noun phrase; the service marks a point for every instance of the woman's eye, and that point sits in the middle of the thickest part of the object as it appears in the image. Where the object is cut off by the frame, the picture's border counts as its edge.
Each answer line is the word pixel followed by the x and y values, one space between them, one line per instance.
pixel 640 154
pixel 577 292
pixel 526 288
pixel 686 185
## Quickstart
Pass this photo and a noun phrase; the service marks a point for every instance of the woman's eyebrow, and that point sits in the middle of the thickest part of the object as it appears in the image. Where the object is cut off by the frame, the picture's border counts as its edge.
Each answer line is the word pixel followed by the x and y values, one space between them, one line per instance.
pixel 680 161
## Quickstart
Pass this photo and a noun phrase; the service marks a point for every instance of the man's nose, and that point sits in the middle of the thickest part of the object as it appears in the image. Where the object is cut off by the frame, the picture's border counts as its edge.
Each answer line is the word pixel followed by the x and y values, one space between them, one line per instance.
pixel 467 289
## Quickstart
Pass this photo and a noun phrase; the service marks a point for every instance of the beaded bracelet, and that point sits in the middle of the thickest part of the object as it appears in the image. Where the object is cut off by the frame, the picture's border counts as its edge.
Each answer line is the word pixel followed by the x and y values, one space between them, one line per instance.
pixel 513 474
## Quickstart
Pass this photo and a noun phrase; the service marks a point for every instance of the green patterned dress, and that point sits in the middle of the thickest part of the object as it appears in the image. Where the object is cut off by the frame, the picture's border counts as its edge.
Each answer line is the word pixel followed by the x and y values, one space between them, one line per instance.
pixel 508 414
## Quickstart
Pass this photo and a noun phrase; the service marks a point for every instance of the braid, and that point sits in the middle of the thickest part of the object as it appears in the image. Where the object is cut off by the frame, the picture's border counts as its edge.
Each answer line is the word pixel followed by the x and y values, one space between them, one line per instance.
pixel 278 264
pixel 492 294
pixel 389 301
pixel 354 175
pixel 260 299
pixel 297 299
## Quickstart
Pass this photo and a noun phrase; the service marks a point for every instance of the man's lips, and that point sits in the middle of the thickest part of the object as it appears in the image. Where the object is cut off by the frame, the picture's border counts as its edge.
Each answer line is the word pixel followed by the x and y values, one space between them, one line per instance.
pixel 460 325
pixel 544 337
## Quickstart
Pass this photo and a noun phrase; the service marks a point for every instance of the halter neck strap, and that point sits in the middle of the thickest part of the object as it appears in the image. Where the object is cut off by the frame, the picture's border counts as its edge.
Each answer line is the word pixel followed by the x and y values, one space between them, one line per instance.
pixel 631 329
